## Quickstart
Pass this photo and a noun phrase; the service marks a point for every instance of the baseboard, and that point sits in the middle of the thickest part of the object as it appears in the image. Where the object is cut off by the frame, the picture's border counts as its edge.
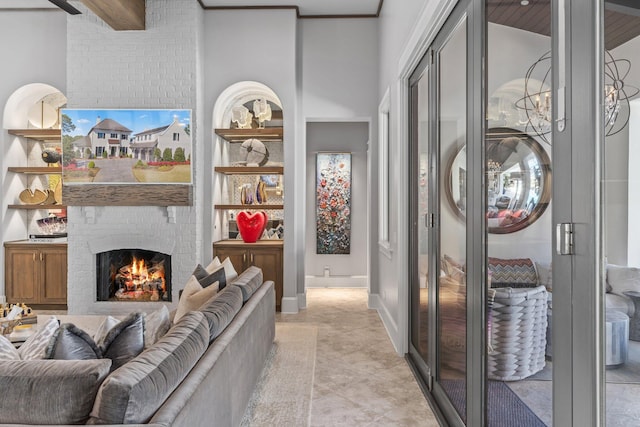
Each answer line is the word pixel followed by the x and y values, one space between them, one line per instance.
pixel 376 303
pixel 289 305
pixel 335 282
pixel 302 301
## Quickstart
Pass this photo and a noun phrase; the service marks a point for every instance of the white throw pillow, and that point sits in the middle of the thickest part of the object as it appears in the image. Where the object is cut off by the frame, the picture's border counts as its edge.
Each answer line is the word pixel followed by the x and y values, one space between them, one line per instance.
pixel 193 296
pixel 106 325
pixel 229 271
pixel 35 346
pixel 545 275
pixel 8 350
pixel 156 324
pixel 622 278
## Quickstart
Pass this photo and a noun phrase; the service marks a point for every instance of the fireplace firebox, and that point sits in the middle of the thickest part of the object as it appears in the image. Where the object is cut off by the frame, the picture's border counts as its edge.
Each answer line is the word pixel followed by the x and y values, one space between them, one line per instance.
pixel 133 275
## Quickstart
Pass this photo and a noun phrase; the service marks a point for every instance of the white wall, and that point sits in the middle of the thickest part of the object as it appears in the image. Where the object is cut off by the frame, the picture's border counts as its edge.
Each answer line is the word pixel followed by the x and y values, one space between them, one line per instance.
pixel 259 45
pixel 339 64
pixel 34 49
pixel 402 29
pixel 338 137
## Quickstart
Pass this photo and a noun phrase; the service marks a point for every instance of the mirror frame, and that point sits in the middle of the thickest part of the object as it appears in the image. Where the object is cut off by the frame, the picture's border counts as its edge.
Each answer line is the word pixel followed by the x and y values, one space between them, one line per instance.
pixel 495 135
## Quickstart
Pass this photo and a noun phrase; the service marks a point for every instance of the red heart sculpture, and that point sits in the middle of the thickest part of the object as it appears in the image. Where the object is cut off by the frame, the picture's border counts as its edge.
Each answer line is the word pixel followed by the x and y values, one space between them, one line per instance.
pixel 251 225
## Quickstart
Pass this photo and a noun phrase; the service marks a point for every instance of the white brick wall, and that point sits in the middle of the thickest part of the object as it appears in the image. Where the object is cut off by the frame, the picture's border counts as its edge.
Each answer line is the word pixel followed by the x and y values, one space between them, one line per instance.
pixel 155 68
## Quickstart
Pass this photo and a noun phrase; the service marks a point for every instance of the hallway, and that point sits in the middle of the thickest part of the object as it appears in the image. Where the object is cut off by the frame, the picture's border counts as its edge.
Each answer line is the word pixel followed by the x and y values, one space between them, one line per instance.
pixel 359 378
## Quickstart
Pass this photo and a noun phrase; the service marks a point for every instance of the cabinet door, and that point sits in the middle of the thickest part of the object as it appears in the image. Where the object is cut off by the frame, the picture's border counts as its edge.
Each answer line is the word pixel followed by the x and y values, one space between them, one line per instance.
pixel 21 279
pixel 270 261
pixel 238 257
pixel 53 276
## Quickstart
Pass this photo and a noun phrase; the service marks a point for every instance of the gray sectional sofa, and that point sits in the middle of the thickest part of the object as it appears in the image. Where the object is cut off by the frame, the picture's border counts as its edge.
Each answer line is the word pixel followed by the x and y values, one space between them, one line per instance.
pixel 202 372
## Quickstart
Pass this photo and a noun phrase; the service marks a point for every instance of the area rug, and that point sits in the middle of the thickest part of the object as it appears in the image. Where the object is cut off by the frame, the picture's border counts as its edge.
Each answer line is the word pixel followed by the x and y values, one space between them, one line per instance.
pixel 504 407
pixel 283 394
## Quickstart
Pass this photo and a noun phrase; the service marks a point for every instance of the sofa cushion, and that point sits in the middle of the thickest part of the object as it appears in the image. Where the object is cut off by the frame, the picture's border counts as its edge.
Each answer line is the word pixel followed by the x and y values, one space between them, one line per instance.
pixel 124 341
pixel 133 393
pixel 206 278
pixel 249 281
pixel 49 391
pixel 72 343
pixel 8 350
pixel 36 345
pixel 221 309
pixel 193 296
pixel 513 273
pixel 545 275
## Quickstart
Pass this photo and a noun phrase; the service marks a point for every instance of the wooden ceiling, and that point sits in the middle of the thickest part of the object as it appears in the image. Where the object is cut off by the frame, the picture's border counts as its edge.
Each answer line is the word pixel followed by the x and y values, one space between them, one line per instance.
pixel 621 24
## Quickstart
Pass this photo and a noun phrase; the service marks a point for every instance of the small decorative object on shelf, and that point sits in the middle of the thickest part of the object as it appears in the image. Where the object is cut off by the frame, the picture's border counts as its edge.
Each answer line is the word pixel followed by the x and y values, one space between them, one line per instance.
pixel 242 117
pixel 50 156
pixel 254 152
pixel 246 198
pixel 261 194
pixel 32 197
pixel 262 110
pixel 251 225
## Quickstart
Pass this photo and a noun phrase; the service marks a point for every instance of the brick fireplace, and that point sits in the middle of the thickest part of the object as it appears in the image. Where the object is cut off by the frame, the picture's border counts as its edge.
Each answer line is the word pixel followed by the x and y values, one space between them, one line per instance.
pixel 93 82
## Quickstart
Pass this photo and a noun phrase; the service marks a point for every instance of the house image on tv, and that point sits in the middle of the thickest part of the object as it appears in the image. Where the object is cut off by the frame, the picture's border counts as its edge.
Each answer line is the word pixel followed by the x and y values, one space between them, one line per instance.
pixel 173 136
pixel 105 136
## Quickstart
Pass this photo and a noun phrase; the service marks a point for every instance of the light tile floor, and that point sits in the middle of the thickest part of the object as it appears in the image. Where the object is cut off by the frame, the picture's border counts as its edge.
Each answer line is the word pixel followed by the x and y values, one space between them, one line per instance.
pixel 359 378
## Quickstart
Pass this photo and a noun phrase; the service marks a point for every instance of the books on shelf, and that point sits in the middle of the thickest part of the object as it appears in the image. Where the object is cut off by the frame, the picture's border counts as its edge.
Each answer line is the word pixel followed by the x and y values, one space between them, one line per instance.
pixel 48 238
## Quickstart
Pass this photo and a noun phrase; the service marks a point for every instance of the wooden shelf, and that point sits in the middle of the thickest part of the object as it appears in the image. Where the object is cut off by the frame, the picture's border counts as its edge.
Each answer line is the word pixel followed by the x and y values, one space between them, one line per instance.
pixel 36 170
pixel 247 170
pixel 273 134
pixel 251 207
pixel 44 135
pixel 37 207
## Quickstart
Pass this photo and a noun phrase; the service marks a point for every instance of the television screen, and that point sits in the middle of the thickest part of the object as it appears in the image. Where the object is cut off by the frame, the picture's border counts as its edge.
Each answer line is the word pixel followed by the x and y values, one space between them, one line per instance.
pixel 120 146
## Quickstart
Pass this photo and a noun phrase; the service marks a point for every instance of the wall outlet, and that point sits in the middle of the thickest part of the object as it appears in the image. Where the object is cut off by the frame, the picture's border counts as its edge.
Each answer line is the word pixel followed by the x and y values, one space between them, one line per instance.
pixel 327 271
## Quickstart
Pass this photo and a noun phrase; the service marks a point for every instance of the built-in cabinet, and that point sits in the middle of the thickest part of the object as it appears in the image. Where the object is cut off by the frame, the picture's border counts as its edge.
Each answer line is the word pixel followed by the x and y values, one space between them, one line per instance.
pixel 36 274
pixel 266 254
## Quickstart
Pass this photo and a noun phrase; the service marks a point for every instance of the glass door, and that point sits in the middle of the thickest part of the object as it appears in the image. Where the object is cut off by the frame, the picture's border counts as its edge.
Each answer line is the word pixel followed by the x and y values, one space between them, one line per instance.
pixel 438 233
pixel 619 283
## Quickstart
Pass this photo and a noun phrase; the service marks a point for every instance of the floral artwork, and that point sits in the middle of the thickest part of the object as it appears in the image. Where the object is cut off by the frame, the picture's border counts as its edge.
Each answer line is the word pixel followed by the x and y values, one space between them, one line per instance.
pixel 333 203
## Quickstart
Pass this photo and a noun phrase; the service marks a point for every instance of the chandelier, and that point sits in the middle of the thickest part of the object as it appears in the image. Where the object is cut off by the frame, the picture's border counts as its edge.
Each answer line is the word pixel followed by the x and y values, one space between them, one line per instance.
pixel 536 101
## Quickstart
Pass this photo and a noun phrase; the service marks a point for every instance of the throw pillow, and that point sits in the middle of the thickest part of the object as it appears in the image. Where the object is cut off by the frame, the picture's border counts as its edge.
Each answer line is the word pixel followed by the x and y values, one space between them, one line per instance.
pixel 229 271
pixel 545 275
pixel 156 324
pixel 72 343
pixel 513 273
pixel 206 279
pixel 106 325
pixel 36 345
pixel 59 392
pixel 124 341
pixel 622 278
pixel 8 350
pixel 193 296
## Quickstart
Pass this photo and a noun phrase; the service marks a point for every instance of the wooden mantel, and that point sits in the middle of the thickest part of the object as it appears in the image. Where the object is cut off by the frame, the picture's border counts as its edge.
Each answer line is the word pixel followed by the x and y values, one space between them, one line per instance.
pixel 121 15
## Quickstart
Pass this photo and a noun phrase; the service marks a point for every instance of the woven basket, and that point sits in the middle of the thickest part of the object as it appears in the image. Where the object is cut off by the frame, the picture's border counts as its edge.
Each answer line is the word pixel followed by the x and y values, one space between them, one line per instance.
pixel 517 333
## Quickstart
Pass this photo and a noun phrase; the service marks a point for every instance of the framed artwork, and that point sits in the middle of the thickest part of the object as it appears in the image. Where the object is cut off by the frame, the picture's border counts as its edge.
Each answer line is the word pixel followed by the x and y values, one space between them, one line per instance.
pixel 333 203
pixel 126 146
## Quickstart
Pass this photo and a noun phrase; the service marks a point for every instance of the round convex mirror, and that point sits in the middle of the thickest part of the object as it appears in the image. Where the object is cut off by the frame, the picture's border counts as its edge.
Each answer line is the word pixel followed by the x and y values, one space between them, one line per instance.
pixel 518 181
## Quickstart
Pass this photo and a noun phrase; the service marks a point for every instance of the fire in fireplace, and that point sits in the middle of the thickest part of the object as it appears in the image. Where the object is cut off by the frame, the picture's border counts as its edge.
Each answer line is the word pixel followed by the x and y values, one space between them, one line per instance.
pixel 133 275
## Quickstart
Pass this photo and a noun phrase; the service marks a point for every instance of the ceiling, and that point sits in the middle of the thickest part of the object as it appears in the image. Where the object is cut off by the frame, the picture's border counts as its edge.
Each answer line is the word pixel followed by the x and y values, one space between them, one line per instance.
pixel 305 8
pixel 622 22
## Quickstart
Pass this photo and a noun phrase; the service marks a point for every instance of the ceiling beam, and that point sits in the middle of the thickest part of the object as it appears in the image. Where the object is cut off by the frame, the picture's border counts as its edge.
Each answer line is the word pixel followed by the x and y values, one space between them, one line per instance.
pixel 121 15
